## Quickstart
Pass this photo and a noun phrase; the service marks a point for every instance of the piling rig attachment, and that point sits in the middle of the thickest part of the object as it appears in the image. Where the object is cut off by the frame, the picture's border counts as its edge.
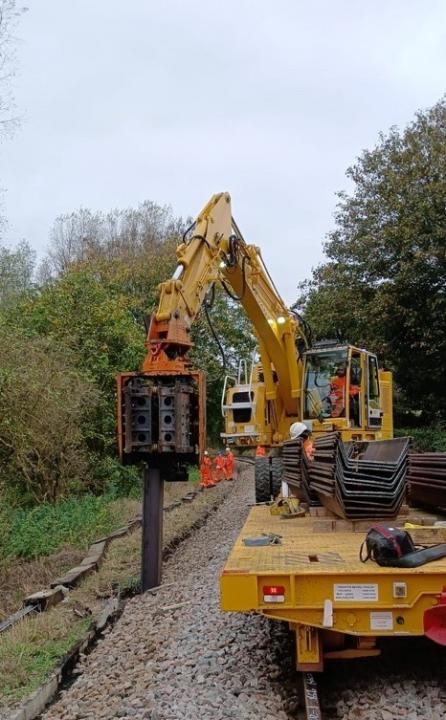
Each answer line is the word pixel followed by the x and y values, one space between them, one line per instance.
pixel 161 419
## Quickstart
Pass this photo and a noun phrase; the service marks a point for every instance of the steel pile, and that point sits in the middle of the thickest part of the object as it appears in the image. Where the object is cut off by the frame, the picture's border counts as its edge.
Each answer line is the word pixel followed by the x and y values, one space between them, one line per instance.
pixel 427 480
pixel 296 471
pixel 359 480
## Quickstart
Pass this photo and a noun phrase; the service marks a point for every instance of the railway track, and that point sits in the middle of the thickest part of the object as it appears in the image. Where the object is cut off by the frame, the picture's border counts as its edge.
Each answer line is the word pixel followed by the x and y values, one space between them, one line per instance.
pixel 246 460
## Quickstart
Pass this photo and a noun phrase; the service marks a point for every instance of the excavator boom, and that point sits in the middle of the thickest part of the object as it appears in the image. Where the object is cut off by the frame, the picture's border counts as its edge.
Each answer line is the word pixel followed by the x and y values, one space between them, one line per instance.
pixel 215 252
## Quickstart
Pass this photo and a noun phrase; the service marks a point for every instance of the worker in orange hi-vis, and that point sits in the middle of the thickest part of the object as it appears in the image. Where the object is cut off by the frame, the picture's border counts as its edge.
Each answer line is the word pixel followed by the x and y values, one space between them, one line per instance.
pixel 206 479
pixel 260 452
pixel 300 430
pixel 219 467
pixel 229 464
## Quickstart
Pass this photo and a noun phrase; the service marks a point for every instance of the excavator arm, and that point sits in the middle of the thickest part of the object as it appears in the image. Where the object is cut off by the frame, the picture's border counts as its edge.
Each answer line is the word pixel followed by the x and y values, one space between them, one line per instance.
pixel 215 252
pixel 212 250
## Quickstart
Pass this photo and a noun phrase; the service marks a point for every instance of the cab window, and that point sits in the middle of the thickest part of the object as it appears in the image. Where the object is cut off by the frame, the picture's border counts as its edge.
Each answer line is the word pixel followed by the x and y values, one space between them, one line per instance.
pixel 374 406
pixel 373 378
pixel 322 370
pixel 242 415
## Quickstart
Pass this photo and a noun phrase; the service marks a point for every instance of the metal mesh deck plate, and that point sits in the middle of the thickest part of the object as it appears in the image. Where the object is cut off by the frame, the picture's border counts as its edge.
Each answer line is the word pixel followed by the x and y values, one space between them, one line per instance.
pixel 332 552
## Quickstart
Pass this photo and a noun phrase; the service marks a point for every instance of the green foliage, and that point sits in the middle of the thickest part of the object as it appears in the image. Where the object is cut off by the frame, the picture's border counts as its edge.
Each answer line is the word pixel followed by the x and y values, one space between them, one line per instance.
pixel 426 439
pixel 384 284
pixel 194 474
pixel 92 326
pixel 92 320
pixel 44 529
pixel 115 480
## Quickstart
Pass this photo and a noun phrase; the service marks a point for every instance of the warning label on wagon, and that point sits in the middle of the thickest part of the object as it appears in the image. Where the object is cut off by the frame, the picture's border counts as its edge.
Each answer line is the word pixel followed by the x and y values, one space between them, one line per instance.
pixel 381 621
pixel 356 592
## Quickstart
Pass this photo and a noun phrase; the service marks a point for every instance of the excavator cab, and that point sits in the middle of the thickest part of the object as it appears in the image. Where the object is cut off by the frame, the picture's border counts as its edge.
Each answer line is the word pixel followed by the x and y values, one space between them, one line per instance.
pixel 345 390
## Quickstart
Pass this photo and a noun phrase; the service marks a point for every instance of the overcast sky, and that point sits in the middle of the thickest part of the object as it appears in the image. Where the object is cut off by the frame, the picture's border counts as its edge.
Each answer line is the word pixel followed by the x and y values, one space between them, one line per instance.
pixel 173 100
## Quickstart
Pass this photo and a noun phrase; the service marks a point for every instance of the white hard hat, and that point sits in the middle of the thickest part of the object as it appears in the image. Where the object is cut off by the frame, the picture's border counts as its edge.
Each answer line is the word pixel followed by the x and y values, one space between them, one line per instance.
pixel 206 452
pixel 297 429
pixel 228 449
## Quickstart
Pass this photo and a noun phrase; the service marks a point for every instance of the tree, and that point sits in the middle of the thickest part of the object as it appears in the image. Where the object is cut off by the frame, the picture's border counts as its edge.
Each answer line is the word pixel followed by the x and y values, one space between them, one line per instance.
pixel 385 280
pixel 128 236
pixel 16 272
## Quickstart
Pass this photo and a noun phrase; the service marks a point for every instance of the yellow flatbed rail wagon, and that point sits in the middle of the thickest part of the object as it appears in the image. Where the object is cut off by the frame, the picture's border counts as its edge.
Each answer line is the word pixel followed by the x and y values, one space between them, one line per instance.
pixel 337 606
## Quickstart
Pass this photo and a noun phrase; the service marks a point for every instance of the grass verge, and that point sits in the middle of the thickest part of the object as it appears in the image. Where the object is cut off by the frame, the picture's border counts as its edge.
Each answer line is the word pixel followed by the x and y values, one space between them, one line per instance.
pixel 40 544
pixel 34 647
pixel 29 651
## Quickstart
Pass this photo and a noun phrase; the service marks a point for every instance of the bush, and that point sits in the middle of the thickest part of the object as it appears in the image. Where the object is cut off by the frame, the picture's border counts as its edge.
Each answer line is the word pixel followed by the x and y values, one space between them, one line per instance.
pixel 428 439
pixel 44 403
pixel 114 479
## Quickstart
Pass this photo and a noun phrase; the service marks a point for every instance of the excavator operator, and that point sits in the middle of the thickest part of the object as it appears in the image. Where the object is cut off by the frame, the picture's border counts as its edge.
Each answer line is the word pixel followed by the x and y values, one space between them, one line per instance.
pixel 338 385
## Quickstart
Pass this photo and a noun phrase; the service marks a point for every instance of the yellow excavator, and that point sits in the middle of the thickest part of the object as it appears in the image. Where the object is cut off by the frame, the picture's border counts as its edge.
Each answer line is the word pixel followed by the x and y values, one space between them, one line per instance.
pixel 328 385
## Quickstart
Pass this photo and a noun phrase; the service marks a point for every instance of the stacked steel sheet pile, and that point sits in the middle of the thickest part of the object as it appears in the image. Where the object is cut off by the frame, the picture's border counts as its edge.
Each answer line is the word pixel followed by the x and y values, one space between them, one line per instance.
pixel 427 480
pixel 296 471
pixel 360 480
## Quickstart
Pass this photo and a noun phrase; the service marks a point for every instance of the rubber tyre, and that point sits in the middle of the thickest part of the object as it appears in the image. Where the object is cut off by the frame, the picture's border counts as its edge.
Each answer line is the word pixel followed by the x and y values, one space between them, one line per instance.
pixel 262 480
pixel 276 476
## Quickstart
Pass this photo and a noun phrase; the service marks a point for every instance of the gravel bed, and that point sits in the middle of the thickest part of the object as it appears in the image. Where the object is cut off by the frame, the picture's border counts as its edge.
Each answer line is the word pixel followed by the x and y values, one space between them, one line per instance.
pixel 407 682
pixel 166 663
pixel 189 662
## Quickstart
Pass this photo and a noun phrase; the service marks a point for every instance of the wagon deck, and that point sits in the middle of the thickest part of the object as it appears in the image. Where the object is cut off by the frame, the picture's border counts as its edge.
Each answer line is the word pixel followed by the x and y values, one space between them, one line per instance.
pixel 314 579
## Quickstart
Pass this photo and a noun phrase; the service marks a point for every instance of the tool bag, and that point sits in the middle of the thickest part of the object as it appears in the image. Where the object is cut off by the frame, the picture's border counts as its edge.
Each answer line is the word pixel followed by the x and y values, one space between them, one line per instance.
pixel 393 547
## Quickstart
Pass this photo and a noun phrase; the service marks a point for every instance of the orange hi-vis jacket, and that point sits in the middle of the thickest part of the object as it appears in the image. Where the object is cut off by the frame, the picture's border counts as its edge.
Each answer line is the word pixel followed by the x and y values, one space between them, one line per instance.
pixel 337 394
pixel 229 465
pixel 219 468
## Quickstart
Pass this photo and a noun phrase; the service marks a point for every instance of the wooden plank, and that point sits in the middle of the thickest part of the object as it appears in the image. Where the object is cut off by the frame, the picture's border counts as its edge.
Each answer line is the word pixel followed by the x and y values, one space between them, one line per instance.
pixel 120 532
pixel 73 576
pixel 43 599
pixel 319 512
pixel 343 526
pixel 96 554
